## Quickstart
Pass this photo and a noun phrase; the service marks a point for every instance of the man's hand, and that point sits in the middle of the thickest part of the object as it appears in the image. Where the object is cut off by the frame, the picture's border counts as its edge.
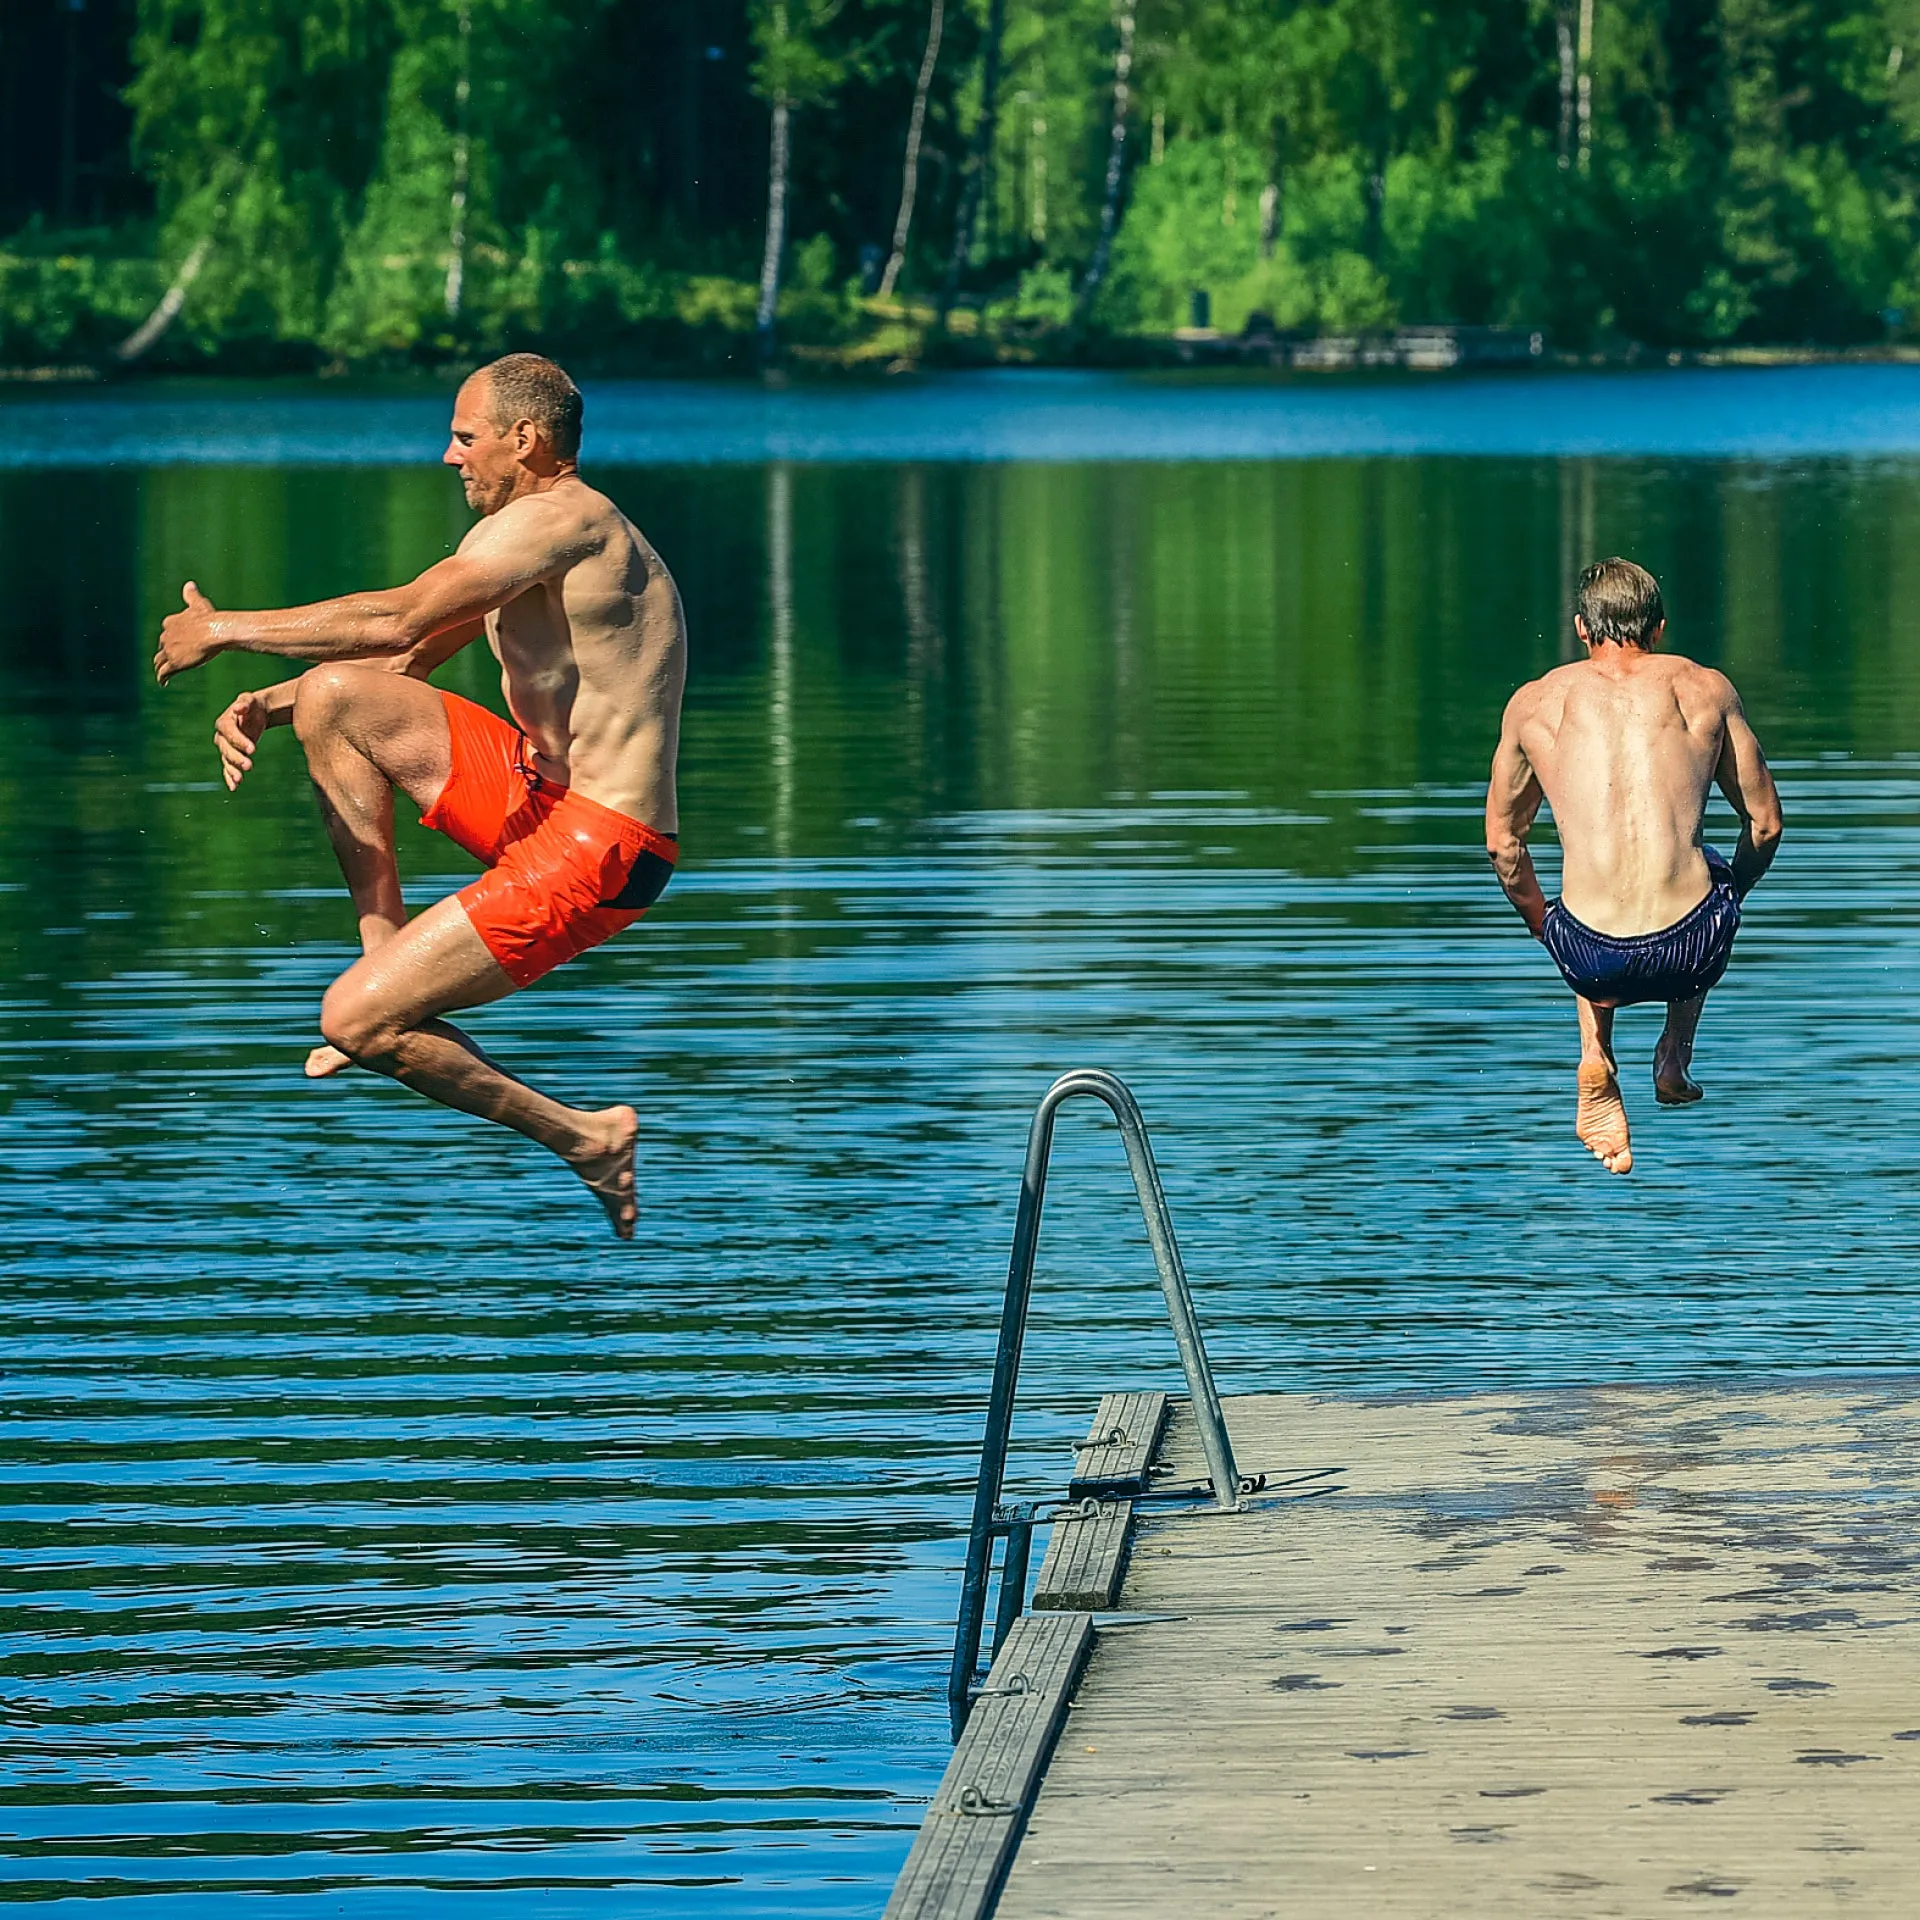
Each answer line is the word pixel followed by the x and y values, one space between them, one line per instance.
pixel 236 733
pixel 186 638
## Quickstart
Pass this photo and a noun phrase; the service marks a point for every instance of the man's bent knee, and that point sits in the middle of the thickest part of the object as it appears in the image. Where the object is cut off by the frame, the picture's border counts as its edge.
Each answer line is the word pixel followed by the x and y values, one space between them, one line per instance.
pixel 395 724
pixel 352 1020
pixel 326 692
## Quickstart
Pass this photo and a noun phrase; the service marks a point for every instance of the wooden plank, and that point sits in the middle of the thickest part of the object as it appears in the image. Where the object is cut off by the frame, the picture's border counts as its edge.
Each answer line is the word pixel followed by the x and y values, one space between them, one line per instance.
pixel 1086 1557
pixel 1118 1452
pixel 967 1842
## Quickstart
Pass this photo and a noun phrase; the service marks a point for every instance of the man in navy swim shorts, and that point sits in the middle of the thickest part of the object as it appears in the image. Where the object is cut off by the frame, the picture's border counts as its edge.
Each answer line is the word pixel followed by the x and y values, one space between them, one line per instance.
pixel 1624 747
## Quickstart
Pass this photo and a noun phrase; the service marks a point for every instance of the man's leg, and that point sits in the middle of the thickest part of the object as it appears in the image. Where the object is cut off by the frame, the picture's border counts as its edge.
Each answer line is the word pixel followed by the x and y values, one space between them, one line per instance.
pixel 1600 1118
pixel 382 1013
pixel 1673 1081
pixel 366 731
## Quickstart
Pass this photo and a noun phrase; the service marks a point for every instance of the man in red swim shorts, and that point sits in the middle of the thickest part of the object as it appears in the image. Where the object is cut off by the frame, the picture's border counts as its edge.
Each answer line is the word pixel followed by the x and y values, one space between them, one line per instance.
pixel 570 805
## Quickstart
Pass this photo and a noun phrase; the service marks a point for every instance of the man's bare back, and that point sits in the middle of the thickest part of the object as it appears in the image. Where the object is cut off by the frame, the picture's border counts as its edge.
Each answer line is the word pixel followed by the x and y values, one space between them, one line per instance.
pixel 1625 747
pixel 571 808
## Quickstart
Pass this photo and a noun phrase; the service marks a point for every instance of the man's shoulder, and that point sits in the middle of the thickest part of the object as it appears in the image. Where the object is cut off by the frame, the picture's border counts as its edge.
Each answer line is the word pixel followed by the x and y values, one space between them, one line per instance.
pixel 1695 680
pixel 1546 692
pixel 1568 673
pixel 567 522
pixel 595 522
pixel 574 504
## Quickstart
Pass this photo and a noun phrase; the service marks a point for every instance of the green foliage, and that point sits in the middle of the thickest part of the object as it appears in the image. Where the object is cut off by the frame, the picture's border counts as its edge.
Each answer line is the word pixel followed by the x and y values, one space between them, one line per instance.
pixel 71 306
pixel 797 61
pixel 1045 297
pixel 1196 223
pixel 251 118
pixel 1750 170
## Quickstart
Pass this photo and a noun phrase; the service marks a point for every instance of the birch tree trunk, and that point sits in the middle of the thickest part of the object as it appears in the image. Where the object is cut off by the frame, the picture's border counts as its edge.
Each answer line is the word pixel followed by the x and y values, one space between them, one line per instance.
pixel 231 178
pixel 1586 85
pixel 777 171
pixel 1563 37
pixel 1116 162
pixel 910 173
pixel 969 214
pixel 457 215
pixel 168 309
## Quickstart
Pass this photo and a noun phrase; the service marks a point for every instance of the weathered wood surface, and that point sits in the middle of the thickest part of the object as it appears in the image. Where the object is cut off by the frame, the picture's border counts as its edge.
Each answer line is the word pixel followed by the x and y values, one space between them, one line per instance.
pixel 1086 1557
pixel 1120 1446
pixel 962 1851
pixel 1606 1653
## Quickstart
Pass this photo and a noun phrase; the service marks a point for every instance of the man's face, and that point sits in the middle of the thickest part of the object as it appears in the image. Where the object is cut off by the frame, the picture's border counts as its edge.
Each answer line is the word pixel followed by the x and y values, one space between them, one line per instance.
pixel 487 459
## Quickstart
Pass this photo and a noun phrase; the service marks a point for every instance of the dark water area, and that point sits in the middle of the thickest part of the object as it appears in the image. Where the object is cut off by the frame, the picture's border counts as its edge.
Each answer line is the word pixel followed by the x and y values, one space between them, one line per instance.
pixel 376 1530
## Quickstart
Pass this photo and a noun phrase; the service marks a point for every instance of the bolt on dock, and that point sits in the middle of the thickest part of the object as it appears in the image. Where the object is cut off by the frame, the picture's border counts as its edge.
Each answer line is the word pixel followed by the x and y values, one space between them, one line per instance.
pixel 1617 1651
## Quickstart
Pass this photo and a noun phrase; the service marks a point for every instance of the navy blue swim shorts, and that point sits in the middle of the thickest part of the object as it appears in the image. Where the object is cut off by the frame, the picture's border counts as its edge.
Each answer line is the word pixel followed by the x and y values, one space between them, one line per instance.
pixel 1674 964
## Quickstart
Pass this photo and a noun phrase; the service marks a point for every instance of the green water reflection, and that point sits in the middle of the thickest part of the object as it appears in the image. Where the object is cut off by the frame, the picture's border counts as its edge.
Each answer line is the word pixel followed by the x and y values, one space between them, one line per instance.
pixel 892 644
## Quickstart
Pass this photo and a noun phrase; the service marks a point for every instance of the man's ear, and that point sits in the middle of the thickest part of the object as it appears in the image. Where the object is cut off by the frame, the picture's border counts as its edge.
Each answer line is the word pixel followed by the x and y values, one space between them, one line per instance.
pixel 1580 628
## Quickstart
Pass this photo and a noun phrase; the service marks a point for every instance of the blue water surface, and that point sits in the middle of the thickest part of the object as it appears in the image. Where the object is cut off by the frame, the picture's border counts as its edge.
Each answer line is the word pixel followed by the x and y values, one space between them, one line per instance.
pixel 1770 413
pixel 376 1531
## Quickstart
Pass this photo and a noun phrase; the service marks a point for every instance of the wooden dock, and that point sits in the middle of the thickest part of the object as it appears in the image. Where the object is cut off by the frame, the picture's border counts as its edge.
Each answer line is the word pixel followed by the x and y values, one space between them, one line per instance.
pixel 1617 1652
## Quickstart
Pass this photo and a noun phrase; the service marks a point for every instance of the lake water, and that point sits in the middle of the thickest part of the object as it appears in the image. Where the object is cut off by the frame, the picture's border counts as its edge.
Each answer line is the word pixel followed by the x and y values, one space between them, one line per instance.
pixel 375 1529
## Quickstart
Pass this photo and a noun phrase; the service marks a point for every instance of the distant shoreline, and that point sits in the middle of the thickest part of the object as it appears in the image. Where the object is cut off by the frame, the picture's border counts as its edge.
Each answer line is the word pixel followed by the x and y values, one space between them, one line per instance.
pixel 1174 354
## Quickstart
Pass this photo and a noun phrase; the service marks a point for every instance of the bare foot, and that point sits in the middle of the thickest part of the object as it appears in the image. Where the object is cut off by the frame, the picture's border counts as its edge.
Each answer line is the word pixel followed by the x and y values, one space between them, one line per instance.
pixel 1601 1117
pixel 1673 1085
pixel 607 1165
pixel 323 1062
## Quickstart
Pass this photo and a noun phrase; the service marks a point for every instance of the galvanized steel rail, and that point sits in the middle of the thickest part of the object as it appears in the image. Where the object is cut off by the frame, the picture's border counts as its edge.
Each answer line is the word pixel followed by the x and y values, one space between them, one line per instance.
pixel 991 1520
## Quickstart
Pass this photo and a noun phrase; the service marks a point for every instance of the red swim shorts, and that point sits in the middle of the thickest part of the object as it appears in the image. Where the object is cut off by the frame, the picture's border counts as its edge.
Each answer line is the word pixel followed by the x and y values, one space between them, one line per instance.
pixel 564 873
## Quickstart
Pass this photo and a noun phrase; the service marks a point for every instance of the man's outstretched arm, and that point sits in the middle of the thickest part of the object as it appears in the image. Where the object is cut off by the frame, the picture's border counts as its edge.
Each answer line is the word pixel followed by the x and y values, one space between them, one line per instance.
pixel 530 541
pixel 1513 802
pixel 1744 777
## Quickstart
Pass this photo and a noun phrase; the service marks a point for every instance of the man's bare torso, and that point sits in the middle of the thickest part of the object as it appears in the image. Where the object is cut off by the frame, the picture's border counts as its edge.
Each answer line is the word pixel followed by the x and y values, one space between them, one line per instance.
pixel 593 653
pixel 1626 747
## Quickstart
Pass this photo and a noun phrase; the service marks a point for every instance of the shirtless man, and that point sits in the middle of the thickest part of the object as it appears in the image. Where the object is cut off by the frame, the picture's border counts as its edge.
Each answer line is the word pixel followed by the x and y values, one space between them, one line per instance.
pixel 572 808
pixel 1623 746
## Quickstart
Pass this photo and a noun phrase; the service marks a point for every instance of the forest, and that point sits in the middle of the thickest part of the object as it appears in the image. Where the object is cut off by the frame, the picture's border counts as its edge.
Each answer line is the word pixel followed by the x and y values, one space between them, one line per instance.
pixel 326 184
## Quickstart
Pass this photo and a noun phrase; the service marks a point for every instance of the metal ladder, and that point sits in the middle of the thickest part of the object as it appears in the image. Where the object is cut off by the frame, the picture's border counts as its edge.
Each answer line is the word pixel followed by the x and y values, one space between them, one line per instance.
pixel 1014 1524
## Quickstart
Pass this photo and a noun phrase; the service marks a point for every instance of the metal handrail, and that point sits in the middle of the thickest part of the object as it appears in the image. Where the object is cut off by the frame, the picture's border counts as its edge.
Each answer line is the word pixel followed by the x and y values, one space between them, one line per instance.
pixel 990 1520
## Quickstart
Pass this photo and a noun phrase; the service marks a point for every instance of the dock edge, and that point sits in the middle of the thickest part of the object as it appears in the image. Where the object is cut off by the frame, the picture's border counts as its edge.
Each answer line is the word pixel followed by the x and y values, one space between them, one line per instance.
pixel 966 1844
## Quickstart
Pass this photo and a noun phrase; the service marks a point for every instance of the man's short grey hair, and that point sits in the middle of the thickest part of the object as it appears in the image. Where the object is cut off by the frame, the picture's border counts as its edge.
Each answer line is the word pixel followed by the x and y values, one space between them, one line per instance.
pixel 529 386
pixel 1620 602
